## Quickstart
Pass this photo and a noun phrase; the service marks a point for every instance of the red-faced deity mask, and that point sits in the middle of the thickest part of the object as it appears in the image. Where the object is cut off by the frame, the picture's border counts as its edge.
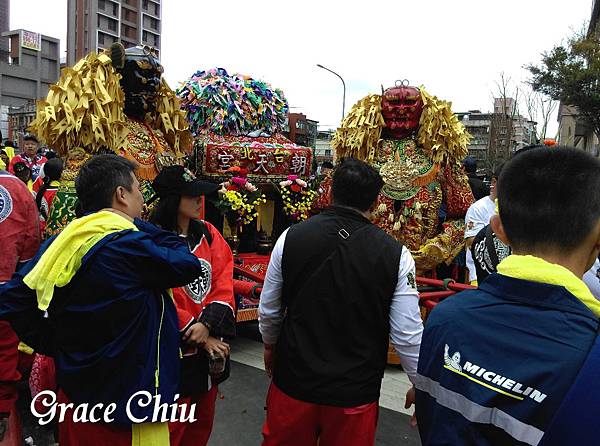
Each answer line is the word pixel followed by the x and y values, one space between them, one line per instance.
pixel 401 107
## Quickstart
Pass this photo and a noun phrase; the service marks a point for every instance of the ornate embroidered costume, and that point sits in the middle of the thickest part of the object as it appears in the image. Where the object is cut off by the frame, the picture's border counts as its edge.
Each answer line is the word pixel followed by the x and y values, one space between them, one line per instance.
pixel 416 143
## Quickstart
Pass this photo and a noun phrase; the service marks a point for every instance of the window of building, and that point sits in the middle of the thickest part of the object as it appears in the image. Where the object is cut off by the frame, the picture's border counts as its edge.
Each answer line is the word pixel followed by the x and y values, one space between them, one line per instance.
pixel 150 38
pixel 108 7
pixel 112 25
pixel 100 39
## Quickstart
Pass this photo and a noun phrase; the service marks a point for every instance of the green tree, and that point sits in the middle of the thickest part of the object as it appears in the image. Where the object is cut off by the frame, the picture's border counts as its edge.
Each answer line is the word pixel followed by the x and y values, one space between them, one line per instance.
pixel 570 73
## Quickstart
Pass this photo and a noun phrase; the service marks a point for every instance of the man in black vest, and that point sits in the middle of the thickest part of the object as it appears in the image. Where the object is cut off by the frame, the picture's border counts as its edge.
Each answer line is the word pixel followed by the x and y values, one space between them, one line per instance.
pixel 337 288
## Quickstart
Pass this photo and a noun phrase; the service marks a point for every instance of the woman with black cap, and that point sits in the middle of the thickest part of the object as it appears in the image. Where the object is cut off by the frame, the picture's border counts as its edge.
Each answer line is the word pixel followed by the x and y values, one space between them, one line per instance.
pixel 206 307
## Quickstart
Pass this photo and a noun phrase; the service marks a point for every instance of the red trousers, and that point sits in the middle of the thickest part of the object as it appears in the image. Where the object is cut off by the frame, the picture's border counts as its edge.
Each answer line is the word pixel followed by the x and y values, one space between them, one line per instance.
pixel 9 361
pixel 87 434
pixel 198 432
pixel 291 422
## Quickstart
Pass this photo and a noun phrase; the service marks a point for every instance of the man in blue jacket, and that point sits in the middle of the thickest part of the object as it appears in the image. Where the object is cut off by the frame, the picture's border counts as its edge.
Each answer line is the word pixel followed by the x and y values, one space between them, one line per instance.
pixel 95 298
pixel 496 362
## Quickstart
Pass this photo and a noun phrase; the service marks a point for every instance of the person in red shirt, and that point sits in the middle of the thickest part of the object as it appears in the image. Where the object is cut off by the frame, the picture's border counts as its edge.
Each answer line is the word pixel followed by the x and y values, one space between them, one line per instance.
pixel 19 241
pixel 47 191
pixel 206 306
pixel 29 156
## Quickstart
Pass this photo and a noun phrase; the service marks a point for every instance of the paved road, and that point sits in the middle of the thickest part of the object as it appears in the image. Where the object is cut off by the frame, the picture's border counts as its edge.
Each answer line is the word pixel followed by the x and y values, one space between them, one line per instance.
pixel 240 413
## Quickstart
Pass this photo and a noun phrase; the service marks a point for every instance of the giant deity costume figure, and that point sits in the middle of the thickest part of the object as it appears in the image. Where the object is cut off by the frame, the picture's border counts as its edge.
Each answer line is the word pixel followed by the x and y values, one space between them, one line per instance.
pixel 417 144
pixel 118 102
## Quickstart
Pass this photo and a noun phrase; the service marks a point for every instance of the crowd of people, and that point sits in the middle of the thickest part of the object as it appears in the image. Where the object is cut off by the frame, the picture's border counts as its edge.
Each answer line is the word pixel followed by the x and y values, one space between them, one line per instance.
pixel 117 310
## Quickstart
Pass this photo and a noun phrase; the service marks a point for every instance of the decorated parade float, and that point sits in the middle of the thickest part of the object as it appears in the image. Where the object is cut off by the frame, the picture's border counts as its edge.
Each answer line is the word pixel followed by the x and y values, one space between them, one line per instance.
pixel 237 124
pixel 417 144
pixel 113 102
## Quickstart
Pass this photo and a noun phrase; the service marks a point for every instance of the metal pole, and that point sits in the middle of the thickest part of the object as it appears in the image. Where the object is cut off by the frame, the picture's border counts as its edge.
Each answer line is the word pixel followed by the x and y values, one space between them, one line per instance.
pixel 343 83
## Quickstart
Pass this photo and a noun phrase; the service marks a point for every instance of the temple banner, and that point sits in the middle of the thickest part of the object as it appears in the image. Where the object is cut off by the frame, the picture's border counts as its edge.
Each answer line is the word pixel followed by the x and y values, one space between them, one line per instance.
pixel 263 158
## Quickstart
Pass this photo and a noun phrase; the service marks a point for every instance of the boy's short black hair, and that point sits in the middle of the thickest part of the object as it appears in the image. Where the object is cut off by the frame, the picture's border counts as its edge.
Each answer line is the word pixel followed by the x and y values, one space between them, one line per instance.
pixel 525 149
pixel 549 198
pixel 327 165
pixel 98 179
pixel 355 184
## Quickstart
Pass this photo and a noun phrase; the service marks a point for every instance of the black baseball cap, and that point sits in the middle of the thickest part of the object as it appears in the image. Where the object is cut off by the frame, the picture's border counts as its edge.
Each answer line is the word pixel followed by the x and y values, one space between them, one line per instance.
pixel 177 180
pixel 20 167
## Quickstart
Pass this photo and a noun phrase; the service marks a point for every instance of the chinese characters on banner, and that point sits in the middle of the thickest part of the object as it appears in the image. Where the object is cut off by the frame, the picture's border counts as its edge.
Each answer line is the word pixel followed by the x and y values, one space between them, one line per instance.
pixel 266 158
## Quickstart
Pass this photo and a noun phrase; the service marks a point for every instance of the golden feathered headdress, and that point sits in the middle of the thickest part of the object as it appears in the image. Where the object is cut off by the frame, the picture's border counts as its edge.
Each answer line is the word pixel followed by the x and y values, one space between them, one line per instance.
pixel 441 134
pixel 85 109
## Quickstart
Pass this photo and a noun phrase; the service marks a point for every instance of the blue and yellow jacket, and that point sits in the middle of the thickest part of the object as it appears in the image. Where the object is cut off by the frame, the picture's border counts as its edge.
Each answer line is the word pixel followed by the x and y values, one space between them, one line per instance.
pixel 113 329
pixel 496 362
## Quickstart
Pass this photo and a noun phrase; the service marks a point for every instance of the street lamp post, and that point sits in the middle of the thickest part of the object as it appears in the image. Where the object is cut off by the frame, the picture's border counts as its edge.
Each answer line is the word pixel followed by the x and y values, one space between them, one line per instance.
pixel 343 83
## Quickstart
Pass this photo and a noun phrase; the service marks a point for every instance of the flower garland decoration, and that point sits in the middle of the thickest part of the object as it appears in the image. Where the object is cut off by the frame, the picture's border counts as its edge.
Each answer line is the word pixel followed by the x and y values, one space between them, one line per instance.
pixel 239 199
pixel 297 198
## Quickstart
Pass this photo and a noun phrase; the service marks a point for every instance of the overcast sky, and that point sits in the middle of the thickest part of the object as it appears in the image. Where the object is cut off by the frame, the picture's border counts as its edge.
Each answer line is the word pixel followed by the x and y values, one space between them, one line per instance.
pixel 456 49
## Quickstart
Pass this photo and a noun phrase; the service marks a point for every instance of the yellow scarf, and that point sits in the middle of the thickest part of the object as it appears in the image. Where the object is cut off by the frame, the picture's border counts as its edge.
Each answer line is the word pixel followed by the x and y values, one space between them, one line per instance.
pixel 538 270
pixel 61 261
pixel 150 434
pixel 10 151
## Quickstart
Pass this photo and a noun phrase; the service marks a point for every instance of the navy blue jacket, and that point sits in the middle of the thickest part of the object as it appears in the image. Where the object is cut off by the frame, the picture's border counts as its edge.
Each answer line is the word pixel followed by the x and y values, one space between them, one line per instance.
pixel 113 330
pixel 496 362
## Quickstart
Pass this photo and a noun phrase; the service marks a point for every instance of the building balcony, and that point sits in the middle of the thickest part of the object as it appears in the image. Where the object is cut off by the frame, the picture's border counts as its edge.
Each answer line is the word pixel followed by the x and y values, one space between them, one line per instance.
pixel 109 32
pixel 129 7
pixel 130 40
pixel 129 23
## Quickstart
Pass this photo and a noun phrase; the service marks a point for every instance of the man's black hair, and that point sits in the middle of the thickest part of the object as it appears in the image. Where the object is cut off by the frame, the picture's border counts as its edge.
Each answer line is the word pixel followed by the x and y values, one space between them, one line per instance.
pixel 99 178
pixel 30 137
pixel 549 198
pixel 355 184
pixel 326 165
